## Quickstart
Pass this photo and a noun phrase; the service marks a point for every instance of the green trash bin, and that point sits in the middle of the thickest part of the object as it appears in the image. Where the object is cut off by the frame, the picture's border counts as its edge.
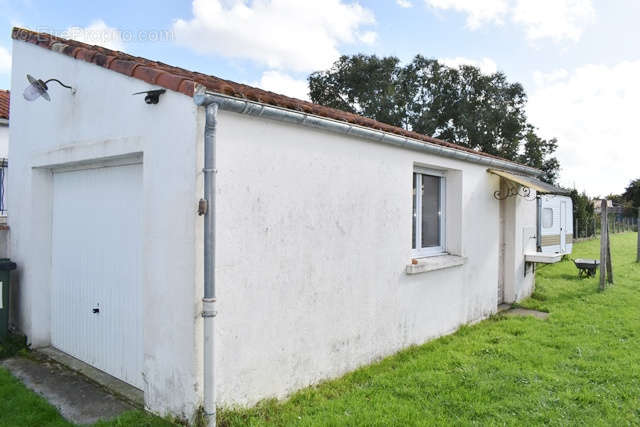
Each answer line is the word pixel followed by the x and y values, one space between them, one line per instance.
pixel 6 265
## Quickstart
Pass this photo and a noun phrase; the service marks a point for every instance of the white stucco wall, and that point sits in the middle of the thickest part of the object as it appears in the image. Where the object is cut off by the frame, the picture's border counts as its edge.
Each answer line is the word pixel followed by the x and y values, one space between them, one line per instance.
pixel 314 234
pixel 103 120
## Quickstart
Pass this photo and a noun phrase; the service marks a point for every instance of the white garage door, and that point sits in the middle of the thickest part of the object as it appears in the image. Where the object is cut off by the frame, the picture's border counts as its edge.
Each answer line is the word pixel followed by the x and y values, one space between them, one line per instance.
pixel 96 268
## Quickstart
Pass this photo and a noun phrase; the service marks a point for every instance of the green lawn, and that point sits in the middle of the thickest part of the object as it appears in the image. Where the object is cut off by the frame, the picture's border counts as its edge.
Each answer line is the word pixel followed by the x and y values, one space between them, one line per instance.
pixel 581 366
pixel 21 407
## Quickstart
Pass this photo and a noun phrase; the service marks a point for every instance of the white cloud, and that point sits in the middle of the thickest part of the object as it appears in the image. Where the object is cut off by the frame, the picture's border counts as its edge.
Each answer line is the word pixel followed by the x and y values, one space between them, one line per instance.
pixel 478 12
pixel 301 35
pixel 368 37
pixel 97 33
pixel 542 79
pixel 592 111
pixel 554 19
pixel 5 60
pixel 278 82
pixel 486 65
pixel 541 19
pixel 404 3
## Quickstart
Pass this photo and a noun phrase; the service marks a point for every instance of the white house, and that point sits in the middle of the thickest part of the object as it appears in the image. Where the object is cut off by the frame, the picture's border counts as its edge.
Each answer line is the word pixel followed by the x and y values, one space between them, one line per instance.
pixel 4 152
pixel 304 218
pixel 4 123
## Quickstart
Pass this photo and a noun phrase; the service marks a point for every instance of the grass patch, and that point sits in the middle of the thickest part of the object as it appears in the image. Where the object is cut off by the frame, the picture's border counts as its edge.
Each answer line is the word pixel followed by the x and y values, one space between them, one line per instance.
pixel 14 344
pixel 581 366
pixel 19 406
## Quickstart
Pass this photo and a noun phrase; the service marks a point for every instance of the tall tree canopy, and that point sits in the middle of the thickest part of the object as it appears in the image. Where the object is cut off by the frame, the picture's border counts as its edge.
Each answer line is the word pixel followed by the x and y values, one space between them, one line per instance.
pixel 462 105
pixel 632 193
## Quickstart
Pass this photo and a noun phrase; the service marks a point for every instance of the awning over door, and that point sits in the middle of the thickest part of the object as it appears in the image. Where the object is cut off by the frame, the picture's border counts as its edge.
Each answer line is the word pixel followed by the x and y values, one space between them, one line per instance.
pixel 529 182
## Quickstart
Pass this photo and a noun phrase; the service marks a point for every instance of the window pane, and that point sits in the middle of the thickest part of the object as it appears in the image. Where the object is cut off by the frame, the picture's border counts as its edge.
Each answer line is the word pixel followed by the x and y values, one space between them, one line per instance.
pixel 413 230
pixel 430 211
pixel 547 217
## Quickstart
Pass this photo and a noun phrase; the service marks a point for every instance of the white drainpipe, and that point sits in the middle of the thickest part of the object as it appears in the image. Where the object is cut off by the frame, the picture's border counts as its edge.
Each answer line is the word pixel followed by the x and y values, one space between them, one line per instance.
pixel 207 207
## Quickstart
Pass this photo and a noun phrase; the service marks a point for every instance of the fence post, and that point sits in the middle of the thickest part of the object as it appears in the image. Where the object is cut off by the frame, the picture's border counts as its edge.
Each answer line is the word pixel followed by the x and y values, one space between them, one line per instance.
pixel 604 228
pixel 609 266
pixel 638 229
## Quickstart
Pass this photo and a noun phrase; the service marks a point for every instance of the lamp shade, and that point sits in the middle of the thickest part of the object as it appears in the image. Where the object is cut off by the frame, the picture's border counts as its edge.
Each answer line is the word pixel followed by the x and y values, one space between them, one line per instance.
pixel 36 89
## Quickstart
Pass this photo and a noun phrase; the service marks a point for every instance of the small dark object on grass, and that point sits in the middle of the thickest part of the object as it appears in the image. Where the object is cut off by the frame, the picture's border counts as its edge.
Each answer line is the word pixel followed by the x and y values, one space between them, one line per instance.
pixel 586 267
pixel 14 344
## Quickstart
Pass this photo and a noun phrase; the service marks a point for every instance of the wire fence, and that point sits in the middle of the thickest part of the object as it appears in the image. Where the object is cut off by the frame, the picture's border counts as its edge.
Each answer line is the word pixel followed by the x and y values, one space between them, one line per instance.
pixel 591 228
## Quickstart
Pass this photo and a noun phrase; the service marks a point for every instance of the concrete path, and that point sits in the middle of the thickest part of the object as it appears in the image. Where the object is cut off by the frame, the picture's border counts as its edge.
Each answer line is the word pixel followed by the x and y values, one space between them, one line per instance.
pixel 79 400
pixel 525 312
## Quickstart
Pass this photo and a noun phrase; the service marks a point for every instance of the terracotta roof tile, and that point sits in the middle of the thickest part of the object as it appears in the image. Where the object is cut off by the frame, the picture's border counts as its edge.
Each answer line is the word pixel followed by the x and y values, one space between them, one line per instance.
pixel 183 81
pixel 4 104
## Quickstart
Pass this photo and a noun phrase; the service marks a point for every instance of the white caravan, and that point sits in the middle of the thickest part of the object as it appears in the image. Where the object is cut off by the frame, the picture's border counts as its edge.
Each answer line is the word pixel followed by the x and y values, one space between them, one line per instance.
pixel 555 224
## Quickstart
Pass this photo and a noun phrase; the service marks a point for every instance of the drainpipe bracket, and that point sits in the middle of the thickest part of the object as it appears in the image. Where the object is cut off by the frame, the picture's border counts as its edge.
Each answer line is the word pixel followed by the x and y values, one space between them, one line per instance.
pixel 209 307
pixel 203 207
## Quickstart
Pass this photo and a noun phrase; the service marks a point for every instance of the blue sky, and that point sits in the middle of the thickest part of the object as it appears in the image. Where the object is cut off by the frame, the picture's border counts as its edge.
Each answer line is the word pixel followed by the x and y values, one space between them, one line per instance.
pixel 578 59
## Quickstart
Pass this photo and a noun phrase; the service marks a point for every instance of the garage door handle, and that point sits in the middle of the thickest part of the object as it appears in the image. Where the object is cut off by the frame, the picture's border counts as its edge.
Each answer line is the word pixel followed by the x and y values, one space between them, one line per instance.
pixel 96 310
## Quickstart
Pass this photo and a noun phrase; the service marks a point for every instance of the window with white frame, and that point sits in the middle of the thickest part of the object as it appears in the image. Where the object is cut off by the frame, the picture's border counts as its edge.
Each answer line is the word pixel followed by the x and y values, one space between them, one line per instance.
pixel 428 212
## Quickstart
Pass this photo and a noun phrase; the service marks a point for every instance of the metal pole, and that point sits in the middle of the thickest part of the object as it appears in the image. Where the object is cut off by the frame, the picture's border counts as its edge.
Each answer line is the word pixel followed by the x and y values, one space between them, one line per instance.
pixel 209 300
pixel 208 208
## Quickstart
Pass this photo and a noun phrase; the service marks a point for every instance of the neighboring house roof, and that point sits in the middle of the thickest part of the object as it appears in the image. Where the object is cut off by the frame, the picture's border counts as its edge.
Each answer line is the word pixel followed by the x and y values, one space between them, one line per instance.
pixel 184 81
pixel 4 104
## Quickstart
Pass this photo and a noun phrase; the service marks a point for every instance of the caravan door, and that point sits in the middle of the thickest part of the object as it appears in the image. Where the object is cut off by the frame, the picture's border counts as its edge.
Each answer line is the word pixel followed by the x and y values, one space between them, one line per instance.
pixel 563 227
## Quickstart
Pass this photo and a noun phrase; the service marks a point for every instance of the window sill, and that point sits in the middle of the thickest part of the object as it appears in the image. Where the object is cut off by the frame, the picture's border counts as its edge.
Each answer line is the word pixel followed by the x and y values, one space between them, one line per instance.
pixel 435 263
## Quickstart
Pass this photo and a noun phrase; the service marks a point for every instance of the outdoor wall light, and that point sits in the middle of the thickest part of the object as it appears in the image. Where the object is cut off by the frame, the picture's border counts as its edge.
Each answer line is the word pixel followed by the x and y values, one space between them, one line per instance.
pixel 38 88
pixel 152 96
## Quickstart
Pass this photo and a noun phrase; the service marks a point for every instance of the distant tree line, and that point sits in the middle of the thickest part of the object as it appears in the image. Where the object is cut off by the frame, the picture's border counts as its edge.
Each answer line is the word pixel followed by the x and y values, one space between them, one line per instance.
pixel 462 105
pixel 629 199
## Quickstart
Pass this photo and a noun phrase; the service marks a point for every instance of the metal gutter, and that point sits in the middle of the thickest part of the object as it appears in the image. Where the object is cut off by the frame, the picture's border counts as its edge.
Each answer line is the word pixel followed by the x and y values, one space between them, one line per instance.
pixel 256 109
pixel 4 122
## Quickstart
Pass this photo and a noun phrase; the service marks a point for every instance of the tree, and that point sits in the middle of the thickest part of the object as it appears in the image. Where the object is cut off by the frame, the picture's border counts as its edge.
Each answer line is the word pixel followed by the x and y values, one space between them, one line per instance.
pixel 632 193
pixel 538 153
pixel 583 212
pixel 481 111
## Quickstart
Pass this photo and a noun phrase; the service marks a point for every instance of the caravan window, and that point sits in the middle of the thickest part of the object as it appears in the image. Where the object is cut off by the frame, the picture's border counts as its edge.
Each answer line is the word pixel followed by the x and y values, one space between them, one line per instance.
pixel 428 213
pixel 547 218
